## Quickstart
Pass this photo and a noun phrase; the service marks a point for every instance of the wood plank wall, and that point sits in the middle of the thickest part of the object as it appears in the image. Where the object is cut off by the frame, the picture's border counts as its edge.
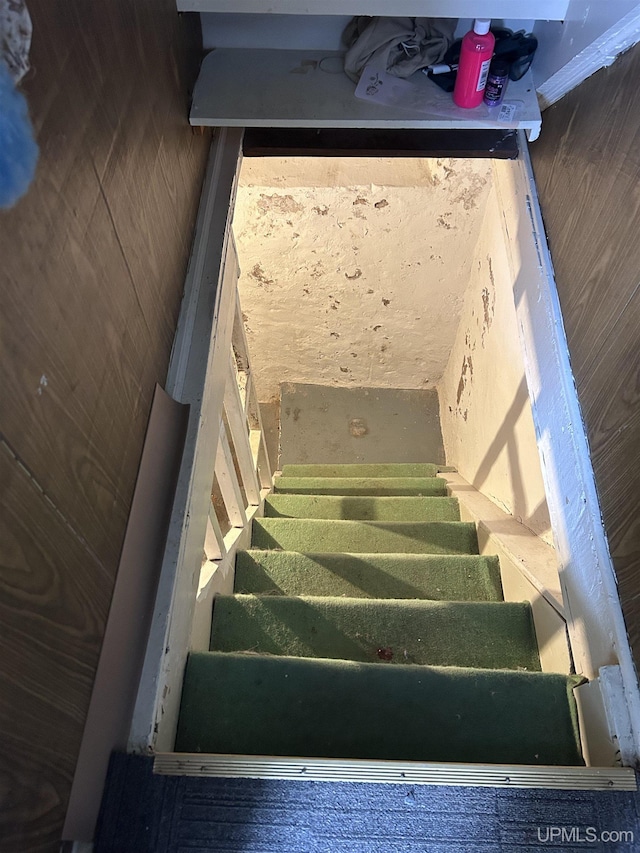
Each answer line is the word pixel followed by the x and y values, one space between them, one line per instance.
pixel 91 275
pixel 587 167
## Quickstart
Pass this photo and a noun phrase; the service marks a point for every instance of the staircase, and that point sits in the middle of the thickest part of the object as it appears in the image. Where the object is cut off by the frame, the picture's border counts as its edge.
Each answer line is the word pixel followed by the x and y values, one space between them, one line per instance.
pixel 366 625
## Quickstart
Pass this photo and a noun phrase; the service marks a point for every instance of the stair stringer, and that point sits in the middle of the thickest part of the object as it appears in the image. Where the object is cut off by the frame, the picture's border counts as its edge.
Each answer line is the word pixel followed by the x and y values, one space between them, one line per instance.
pixel 529 572
pixel 594 614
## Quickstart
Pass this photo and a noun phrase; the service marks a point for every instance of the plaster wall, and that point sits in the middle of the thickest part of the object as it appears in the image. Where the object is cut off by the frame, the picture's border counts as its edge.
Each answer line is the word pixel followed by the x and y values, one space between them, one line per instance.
pixel 485 412
pixel 354 270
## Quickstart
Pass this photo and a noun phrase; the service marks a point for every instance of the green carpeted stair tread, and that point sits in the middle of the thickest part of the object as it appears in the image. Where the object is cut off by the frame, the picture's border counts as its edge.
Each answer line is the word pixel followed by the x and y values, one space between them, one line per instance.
pixel 496 635
pixel 313 534
pixel 255 704
pixel 396 469
pixel 362 508
pixel 451 577
pixel 375 486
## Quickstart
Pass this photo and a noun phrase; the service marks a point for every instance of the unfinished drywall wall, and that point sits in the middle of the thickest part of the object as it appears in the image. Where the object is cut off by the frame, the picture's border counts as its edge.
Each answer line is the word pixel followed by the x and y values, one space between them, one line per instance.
pixel 354 270
pixel 484 403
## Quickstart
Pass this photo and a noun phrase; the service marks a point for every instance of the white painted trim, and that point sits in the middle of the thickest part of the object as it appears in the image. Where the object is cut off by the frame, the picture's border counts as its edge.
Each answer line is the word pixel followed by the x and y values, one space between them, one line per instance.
pixel 594 617
pixel 523 10
pixel 617 711
pixel 598 748
pixel 217 578
pixel 239 429
pixel 257 439
pixel 535 560
pixel 248 388
pixel 395 772
pixel 214 547
pixel 202 339
pixel 528 568
pixel 600 54
pixel 204 257
pixel 228 481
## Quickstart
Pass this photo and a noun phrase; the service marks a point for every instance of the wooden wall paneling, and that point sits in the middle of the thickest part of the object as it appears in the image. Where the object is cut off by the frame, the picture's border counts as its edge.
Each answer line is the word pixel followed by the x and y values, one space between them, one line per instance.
pixel 93 266
pixel 54 597
pixel 68 411
pixel 125 639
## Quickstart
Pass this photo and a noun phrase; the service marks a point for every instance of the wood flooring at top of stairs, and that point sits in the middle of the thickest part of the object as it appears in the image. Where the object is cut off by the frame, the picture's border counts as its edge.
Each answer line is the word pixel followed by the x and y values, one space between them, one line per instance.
pixel 93 258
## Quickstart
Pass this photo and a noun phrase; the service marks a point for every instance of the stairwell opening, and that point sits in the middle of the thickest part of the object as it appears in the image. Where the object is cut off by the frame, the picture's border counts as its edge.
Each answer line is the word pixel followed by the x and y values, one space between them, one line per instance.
pixel 389 274
pixel 496 390
pixel 504 371
pixel 385 276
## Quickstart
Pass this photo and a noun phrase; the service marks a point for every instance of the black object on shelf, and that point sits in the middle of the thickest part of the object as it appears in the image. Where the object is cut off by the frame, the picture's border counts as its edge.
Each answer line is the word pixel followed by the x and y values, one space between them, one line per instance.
pixel 516 49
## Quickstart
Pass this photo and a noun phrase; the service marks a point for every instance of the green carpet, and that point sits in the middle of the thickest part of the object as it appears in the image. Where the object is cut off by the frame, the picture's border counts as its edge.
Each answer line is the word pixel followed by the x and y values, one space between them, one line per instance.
pixel 496 635
pixel 360 485
pixel 397 469
pixel 450 577
pixel 362 508
pixel 312 534
pixel 251 704
pixel 365 624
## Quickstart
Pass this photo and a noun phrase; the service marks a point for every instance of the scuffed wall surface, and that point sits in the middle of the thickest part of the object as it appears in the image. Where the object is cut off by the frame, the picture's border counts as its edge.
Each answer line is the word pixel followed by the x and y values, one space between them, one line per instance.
pixel 354 270
pixel 484 404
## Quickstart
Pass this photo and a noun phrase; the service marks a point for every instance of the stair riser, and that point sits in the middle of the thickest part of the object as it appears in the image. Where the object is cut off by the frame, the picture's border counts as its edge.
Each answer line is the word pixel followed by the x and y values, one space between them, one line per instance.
pixel 424 576
pixel 387 486
pixel 249 704
pixel 418 469
pixel 298 669
pixel 364 537
pixel 497 635
pixel 362 508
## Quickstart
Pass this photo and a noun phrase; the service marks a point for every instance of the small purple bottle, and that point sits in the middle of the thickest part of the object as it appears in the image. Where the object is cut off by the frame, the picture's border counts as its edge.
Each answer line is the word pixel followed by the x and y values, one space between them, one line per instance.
pixel 496 83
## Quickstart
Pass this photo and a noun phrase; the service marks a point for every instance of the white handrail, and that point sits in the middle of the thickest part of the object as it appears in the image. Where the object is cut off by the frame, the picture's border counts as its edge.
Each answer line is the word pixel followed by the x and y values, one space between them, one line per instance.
pixel 199 555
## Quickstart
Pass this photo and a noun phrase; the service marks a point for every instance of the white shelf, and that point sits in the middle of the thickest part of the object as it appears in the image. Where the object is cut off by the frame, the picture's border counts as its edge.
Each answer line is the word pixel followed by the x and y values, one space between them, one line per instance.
pixel 306 88
pixel 544 10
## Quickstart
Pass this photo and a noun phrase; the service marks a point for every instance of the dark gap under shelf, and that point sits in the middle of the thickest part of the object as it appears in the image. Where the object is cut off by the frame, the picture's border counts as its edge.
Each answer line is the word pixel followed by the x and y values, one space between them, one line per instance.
pixel 373 142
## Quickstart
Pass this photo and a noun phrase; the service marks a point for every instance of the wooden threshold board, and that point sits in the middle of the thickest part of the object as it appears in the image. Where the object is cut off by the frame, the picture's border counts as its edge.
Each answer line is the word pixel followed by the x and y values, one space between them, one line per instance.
pixel 376 142
pixel 307 88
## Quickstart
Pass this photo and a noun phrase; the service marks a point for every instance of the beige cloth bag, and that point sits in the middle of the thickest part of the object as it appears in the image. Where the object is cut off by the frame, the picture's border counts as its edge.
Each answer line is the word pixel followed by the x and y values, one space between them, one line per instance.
pixel 400 46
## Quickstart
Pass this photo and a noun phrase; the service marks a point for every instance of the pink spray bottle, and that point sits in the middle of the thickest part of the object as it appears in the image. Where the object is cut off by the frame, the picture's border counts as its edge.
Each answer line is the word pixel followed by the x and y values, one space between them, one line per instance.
pixel 473 69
